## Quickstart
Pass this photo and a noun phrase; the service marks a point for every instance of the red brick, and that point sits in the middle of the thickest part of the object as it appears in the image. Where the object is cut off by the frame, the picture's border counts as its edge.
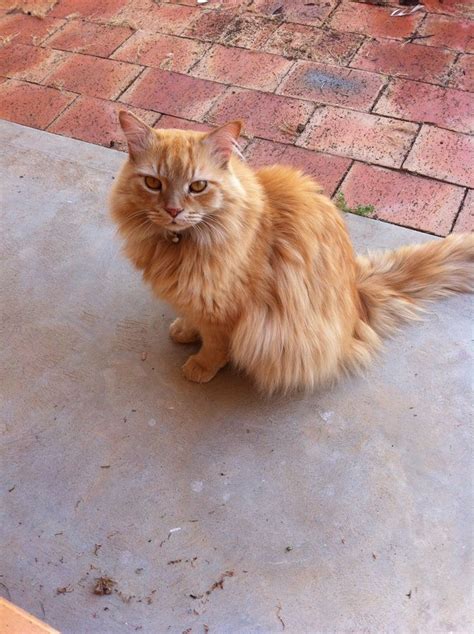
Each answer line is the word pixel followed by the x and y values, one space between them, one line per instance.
pixel 240 67
pixel 248 31
pixel 87 8
pixel 449 32
pixel 93 76
pixel 443 154
pixel 462 75
pixel 265 115
pixel 166 121
pixel 425 103
pixel 465 220
pixel 32 105
pixel 404 199
pixel 28 29
pixel 359 135
pixel 96 121
pixel 373 20
pixel 296 10
pixel 174 94
pixel 326 169
pixel 28 62
pixel 309 42
pixel 333 85
pixel 89 37
pixel 453 7
pixel 412 61
pixel 153 16
pixel 210 25
pixel 161 51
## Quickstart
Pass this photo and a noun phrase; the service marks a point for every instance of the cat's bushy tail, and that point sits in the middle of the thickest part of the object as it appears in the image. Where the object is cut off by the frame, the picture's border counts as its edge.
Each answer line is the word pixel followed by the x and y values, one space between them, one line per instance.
pixel 392 286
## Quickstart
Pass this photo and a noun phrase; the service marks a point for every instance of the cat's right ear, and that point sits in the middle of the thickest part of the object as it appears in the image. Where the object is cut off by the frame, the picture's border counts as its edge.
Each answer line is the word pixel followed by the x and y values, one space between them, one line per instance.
pixel 137 133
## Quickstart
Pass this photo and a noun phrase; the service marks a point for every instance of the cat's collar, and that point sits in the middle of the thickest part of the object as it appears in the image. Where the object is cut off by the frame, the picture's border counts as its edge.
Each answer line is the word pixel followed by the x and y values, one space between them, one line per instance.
pixel 172 236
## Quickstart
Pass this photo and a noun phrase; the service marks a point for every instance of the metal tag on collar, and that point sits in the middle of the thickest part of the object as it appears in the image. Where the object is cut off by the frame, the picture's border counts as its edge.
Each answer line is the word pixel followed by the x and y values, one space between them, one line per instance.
pixel 174 237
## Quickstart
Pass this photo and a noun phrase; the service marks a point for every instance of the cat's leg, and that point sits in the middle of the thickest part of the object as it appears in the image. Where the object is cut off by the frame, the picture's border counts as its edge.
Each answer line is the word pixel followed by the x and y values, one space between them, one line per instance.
pixel 181 331
pixel 213 355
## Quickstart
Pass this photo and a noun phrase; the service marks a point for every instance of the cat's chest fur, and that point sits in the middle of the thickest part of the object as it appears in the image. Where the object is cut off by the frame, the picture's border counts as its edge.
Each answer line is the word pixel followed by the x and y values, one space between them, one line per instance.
pixel 195 281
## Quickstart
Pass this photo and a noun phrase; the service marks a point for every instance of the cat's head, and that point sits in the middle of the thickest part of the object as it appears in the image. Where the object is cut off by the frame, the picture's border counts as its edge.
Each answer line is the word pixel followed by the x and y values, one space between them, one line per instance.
pixel 176 179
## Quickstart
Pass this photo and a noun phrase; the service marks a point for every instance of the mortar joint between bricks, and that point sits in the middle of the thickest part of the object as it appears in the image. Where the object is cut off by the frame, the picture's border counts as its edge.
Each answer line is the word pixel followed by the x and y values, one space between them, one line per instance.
pixel 413 141
pixel 121 44
pixel 65 109
pixel 382 91
pixel 461 207
pixel 285 75
pixel 343 178
pixel 143 69
pixel 451 70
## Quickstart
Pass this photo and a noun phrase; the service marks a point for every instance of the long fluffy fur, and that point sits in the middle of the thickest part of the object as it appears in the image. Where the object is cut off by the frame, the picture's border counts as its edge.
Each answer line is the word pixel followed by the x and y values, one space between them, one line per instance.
pixel 267 275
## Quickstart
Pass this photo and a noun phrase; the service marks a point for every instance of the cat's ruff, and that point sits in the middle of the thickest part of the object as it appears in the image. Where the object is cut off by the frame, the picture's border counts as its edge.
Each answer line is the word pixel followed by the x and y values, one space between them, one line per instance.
pixel 269 280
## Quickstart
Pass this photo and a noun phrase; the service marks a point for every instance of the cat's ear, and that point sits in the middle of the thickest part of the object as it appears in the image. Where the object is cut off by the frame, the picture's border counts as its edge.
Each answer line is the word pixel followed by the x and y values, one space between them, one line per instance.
pixel 223 141
pixel 137 132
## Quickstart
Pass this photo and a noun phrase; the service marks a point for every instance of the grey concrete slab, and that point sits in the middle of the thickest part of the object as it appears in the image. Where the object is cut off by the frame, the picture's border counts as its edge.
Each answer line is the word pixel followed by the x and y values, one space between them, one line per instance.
pixel 212 509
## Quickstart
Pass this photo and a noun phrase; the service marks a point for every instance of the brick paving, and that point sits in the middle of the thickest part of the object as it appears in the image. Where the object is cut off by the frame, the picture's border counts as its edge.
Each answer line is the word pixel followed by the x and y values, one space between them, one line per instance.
pixel 378 107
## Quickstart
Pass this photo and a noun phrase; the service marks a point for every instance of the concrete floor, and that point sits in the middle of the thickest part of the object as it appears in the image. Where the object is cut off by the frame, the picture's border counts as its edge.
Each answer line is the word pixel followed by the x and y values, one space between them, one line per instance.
pixel 345 511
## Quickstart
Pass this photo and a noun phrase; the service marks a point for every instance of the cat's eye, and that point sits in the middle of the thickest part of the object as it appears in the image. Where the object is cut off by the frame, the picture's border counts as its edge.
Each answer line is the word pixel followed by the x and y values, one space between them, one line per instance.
pixel 153 183
pixel 198 186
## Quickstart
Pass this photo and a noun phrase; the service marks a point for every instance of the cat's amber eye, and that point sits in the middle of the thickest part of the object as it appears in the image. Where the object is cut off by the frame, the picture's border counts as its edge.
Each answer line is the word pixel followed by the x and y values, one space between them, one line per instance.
pixel 153 183
pixel 198 186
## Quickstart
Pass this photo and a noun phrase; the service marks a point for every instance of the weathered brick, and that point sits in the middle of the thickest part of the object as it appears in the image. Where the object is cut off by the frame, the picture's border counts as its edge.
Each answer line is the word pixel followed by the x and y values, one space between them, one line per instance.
pixel 248 31
pixel 209 26
pixel 465 220
pixel 161 51
pixel 30 63
pixel 157 17
pixel 89 37
pixel 332 85
pixel 30 104
pixel 426 103
pixel 174 94
pixel 404 199
pixel 93 76
pixel 96 121
pixel 326 169
pixel 443 154
pixel 265 115
pixel 373 20
pixel 296 10
pixel 167 121
pixel 462 74
pixel 412 61
pixel 359 135
pixel 453 7
pixel 442 30
pixel 312 43
pixel 87 8
pixel 26 29
pixel 240 67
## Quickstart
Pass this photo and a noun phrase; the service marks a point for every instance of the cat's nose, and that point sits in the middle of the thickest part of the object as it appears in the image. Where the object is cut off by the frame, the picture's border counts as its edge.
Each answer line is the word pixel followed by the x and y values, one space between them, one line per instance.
pixel 173 211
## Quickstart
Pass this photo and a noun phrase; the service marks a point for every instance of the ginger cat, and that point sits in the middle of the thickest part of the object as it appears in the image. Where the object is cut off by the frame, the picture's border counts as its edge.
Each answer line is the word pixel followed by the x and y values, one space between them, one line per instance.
pixel 259 264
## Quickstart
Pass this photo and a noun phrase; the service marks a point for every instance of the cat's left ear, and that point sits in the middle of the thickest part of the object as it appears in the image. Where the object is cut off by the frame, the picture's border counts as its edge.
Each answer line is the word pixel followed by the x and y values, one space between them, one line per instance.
pixel 137 132
pixel 223 141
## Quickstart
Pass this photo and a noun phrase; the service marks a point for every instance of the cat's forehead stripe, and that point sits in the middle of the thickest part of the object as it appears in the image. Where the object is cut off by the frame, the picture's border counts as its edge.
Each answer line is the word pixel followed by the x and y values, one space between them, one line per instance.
pixel 177 158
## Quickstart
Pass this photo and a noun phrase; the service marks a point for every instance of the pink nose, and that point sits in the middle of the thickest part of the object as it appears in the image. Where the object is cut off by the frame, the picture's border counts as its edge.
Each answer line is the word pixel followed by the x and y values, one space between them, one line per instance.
pixel 172 211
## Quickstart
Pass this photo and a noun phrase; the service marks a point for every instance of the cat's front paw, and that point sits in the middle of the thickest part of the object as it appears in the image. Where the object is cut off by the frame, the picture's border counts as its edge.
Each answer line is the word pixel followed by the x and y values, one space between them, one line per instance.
pixel 180 332
pixel 194 371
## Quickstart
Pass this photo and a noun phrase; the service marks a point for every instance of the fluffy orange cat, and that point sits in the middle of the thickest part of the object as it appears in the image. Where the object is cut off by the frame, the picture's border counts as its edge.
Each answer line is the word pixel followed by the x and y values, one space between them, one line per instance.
pixel 259 264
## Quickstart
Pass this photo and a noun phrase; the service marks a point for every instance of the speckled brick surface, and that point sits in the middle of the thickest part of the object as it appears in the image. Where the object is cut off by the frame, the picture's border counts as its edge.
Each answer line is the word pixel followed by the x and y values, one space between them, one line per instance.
pixel 343 79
